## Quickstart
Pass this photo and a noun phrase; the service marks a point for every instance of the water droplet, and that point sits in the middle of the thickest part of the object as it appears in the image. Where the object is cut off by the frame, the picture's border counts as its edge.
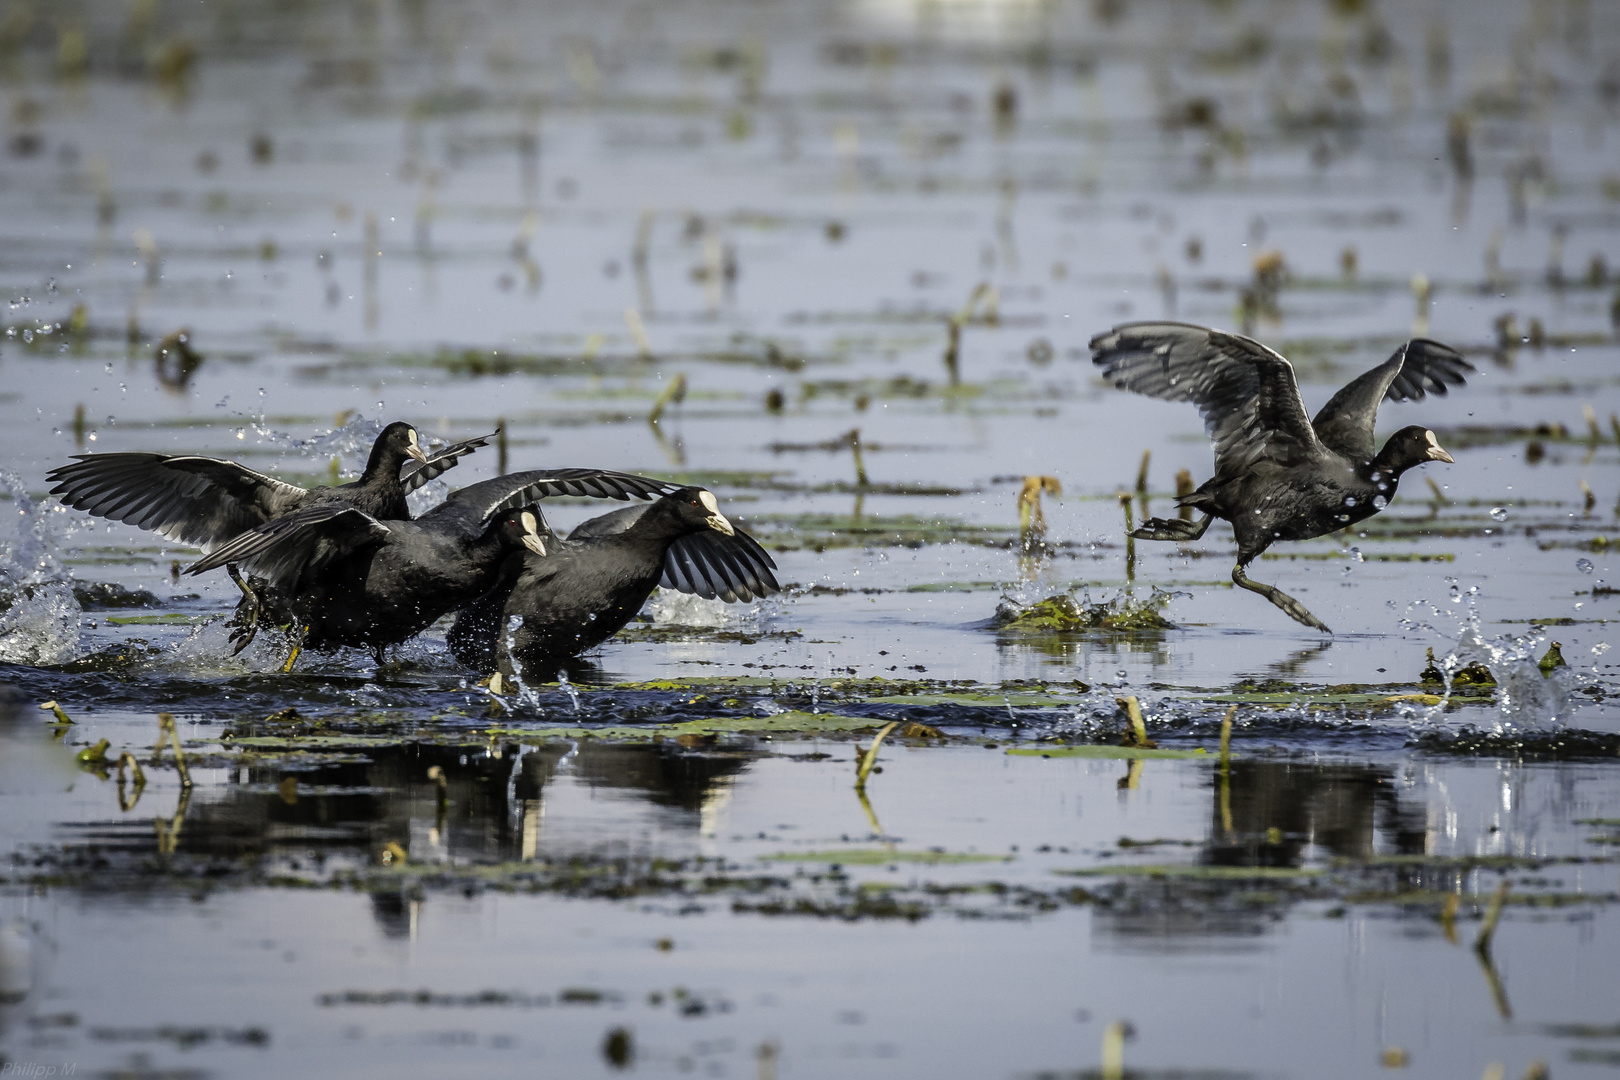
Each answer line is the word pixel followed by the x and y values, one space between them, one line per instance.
pixel 1379 502
pixel 1498 514
pixel 28 335
pixel 1584 566
pixel 1349 500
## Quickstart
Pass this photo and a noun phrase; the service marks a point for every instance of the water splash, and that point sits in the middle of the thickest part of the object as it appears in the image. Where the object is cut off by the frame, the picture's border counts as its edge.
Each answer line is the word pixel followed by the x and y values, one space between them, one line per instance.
pixel 1527 699
pixel 39 617
pixel 525 695
pixel 568 688
pixel 677 609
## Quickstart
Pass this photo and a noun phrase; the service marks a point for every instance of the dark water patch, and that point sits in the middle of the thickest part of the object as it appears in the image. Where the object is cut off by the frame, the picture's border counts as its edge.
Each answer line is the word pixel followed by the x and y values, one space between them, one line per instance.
pixel 1569 745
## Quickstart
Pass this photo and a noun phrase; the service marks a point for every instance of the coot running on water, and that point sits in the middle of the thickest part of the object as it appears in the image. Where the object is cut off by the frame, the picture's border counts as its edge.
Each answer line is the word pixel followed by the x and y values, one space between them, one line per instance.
pixel 1278 474
pixel 208 501
pixel 590 585
pixel 350 578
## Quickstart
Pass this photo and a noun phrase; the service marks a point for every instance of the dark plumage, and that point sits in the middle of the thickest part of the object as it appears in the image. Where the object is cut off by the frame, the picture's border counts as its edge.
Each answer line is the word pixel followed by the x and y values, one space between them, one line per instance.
pixel 590 585
pixel 207 501
pixel 350 578
pixel 1278 474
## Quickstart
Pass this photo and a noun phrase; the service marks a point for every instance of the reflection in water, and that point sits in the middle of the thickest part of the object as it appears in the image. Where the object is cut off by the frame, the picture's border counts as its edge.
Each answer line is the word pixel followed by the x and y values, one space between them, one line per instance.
pixel 438 804
pixel 1265 814
pixel 1279 809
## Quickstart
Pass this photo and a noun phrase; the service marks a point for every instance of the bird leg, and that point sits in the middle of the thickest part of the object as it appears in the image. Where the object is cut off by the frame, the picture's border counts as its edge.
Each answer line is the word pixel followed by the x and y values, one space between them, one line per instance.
pixel 298 647
pixel 247 625
pixel 1294 609
pixel 1172 529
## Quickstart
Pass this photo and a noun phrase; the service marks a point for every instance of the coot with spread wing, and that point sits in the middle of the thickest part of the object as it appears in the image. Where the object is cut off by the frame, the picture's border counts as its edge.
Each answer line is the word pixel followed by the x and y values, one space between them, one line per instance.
pixel 1279 475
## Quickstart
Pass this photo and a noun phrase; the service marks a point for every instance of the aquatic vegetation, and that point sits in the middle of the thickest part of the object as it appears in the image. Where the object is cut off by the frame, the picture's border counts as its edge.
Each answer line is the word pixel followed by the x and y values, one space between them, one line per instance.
pixel 1066 612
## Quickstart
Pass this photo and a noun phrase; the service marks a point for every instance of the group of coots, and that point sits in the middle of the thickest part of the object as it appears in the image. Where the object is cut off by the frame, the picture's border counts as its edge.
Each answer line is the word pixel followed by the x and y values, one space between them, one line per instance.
pixel 347 565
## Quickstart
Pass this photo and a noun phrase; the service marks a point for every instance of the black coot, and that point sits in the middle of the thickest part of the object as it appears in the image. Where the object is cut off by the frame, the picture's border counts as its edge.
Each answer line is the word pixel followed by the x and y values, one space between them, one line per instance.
pixel 590 585
pixel 208 501
pixel 350 578
pixel 1278 474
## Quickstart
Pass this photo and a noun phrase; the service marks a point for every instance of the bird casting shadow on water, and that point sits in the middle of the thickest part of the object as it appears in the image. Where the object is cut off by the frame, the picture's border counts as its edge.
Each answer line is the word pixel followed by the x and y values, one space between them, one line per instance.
pixel 1279 475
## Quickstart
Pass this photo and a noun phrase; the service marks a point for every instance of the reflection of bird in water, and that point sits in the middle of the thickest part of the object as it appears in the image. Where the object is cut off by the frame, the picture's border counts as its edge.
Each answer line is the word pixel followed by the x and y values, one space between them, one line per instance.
pixel 1279 807
pixel 665 775
pixel 1291 665
pixel 590 585
pixel 210 501
pixel 1279 475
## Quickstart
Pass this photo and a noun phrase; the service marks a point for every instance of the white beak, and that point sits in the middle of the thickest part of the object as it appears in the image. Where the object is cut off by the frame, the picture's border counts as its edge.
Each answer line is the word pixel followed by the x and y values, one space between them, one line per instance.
pixel 717 521
pixel 531 534
pixel 414 449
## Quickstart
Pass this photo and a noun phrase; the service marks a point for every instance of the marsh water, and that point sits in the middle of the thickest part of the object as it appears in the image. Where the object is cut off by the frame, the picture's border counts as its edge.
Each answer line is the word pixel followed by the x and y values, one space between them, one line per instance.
pixel 872 239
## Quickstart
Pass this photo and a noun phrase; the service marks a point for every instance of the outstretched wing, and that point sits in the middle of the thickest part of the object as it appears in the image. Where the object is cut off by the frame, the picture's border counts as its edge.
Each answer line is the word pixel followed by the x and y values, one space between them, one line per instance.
pixel 710 564
pixel 418 473
pixel 284 550
pixel 1246 393
pixel 513 490
pixel 1419 367
pixel 196 500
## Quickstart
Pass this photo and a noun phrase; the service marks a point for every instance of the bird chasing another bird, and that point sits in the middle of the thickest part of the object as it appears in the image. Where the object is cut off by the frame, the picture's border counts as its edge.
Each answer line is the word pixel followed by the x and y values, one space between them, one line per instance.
pixel 1279 473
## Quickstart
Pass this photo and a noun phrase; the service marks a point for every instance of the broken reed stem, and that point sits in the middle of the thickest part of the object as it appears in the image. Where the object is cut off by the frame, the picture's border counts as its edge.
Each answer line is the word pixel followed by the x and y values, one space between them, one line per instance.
pixel 1142 473
pixel 500 446
pixel 1031 520
pixel 136 774
pixel 638 332
pixel 1130 540
pixel 1587 497
pixel 1592 429
pixel 58 714
pixel 1113 1051
pixel 167 732
pixel 1133 709
pixel 1439 497
pixel 853 437
pixel 1184 487
pixel 1493 915
pixel 953 352
pixel 869 758
pixel 674 393
pixel 441 784
pixel 1614 426
pixel 1226 739
pixel 1448 917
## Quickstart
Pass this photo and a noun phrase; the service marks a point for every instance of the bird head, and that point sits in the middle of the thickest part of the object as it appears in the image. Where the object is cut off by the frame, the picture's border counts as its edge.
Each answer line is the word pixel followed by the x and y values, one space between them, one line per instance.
pixel 700 508
pixel 1408 447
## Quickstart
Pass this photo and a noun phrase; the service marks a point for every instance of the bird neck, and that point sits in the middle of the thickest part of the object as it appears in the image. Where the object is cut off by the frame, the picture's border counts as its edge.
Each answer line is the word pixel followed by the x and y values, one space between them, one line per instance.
pixel 384 462
pixel 1388 463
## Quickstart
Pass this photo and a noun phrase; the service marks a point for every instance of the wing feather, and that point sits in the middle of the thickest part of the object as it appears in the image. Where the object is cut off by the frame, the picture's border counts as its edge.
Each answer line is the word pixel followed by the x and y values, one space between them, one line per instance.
pixel 1246 393
pixel 202 501
pixel 1419 367
pixel 710 565
pixel 416 474
pixel 508 492
pixel 283 550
